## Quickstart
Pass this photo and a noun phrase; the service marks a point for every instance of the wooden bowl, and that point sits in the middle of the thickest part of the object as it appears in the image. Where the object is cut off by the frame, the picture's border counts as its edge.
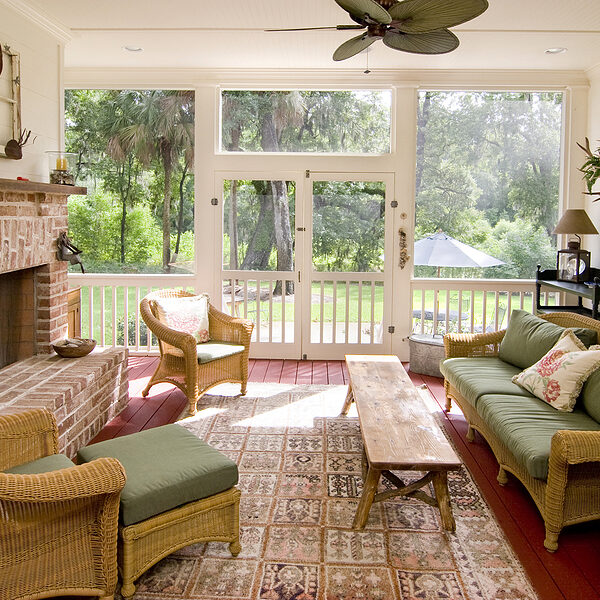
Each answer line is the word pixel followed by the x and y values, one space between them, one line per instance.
pixel 75 352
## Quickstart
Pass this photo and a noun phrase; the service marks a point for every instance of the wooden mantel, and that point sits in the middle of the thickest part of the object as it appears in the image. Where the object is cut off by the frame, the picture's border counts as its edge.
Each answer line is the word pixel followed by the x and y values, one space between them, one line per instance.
pixel 18 185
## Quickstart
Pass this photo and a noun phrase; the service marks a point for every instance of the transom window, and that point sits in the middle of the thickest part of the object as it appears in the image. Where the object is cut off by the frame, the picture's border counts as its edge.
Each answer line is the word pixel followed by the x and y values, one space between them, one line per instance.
pixel 344 122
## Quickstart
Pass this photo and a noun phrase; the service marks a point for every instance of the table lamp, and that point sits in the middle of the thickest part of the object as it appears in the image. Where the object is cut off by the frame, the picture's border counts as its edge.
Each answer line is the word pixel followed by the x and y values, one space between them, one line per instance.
pixel 573 263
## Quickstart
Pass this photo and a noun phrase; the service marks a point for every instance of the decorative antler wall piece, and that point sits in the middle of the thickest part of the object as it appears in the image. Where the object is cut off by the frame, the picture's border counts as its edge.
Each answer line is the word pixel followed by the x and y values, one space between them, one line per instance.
pixel 14 148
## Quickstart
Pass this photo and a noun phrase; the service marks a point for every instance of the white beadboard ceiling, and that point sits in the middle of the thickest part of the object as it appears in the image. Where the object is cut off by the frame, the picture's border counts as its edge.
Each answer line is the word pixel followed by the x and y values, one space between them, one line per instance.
pixel 511 34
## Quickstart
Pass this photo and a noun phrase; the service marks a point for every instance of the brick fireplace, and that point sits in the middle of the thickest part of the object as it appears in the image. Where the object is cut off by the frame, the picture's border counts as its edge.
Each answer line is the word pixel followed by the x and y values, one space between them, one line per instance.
pixel 82 393
pixel 32 216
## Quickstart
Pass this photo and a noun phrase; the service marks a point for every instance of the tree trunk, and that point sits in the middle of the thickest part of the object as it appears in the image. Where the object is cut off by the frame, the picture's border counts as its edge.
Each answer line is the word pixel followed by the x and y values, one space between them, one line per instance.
pixel 233 233
pixel 124 193
pixel 423 119
pixel 281 211
pixel 166 254
pixel 236 134
pixel 261 243
pixel 180 215
pixel 283 233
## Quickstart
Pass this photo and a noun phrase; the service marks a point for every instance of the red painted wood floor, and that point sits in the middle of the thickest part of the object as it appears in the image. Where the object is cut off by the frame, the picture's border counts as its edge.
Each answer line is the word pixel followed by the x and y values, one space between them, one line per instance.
pixel 572 573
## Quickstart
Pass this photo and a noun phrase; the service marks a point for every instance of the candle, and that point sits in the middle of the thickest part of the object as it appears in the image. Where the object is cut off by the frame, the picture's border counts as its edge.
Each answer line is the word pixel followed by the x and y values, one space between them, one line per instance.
pixel 61 164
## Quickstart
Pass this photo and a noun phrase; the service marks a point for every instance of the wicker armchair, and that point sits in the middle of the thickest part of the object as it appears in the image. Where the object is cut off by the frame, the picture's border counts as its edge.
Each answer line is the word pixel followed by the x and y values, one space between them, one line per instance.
pixel 58 529
pixel 571 493
pixel 179 363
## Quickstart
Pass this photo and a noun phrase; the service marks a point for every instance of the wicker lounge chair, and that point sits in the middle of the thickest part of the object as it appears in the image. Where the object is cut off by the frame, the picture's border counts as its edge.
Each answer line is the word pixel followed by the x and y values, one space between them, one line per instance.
pixel 58 531
pixel 180 363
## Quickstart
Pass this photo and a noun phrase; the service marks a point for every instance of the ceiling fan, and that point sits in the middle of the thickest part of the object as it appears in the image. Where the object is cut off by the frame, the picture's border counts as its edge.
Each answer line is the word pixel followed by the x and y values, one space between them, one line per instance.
pixel 417 26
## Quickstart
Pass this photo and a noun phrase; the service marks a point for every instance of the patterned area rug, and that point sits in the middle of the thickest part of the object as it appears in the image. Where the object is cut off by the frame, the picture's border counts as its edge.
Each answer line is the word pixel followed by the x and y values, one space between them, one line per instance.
pixel 300 477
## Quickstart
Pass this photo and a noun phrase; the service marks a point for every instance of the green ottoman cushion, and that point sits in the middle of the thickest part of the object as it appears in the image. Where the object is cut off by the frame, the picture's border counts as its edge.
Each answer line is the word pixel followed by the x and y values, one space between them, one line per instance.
pixel 528 338
pixel 474 377
pixel 54 462
pixel 526 426
pixel 213 350
pixel 166 467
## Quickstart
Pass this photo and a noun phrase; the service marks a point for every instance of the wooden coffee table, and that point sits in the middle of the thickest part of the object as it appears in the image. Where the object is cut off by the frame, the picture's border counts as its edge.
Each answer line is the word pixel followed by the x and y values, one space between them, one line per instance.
pixel 400 433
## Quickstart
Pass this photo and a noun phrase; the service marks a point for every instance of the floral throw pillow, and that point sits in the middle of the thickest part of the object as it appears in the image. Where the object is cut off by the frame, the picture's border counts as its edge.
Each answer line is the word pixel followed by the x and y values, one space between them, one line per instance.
pixel 557 378
pixel 188 314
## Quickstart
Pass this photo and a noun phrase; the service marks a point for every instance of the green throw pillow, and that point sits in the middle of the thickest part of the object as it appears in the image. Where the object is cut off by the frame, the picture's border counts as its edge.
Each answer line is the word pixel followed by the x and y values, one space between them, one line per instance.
pixel 590 396
pixel 528 338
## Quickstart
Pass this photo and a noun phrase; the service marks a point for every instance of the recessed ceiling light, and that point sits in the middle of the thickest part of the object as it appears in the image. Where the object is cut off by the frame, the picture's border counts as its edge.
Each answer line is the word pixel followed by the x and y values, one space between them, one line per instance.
pixel 557 50
pixel 133 48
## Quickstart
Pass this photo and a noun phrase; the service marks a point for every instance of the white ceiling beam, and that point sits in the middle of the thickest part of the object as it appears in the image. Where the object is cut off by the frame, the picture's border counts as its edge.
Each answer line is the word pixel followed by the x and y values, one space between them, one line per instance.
pixel 42 20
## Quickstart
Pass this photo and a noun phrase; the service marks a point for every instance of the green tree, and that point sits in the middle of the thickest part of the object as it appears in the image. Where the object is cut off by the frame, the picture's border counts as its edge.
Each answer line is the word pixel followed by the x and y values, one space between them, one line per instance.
pixel 160 128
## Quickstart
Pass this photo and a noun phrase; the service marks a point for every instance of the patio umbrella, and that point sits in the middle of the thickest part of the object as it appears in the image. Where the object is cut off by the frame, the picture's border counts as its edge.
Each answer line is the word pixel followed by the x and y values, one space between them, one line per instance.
pixel 441 250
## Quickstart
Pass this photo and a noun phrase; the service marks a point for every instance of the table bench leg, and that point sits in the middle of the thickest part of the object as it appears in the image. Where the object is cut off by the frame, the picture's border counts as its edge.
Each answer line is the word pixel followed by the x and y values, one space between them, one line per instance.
pixel 347 401
pixel 440 485
pixel 366 500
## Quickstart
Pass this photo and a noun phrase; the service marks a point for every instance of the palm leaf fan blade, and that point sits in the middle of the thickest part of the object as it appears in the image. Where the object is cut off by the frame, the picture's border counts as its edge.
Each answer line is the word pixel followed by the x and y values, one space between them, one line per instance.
pixel 353 46
pixel 433 42
pixel 359 8
pixel 422 16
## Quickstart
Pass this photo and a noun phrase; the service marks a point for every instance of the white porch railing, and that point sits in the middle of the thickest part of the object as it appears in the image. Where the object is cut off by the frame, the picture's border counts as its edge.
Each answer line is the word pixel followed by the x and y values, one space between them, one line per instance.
pixel 345 308
pixel 470 305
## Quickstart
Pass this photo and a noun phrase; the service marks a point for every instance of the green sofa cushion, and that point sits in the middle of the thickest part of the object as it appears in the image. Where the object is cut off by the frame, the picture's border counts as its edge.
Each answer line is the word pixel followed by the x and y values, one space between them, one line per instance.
pixel 526 426
pixel 166 467
pixel 54 462
pixel 528 338
pixel 474 377
pixel 213 350
pixel 590 396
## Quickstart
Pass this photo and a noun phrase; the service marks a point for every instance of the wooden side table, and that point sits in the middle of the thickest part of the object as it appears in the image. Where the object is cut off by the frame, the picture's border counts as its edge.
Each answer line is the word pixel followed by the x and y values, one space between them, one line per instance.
pixel 74 312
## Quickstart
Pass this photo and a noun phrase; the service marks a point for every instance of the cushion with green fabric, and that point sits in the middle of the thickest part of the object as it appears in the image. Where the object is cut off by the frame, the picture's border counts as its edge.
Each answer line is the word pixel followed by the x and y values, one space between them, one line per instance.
pixel 474 377
pixel 213 350
pixel 528 338
pixel 166 467
pixel 589 400
pixel 526 426
pixel 54 462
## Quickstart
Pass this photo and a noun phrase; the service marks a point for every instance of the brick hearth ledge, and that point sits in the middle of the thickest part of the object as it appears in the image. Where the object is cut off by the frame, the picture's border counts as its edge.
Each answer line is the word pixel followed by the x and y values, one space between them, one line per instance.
pixel 82 393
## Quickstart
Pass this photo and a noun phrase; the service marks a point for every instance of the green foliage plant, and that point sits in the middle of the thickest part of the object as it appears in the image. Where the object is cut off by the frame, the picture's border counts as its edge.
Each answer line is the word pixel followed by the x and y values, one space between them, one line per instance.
pixel 590 168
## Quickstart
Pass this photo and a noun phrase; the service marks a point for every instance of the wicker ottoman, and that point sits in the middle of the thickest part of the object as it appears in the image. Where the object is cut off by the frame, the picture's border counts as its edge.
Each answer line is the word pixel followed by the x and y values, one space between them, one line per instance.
pixel 179 491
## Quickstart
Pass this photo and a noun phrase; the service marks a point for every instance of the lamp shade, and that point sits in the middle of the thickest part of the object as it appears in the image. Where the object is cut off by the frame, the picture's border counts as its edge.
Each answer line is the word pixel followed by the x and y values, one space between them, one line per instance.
pixel 575 220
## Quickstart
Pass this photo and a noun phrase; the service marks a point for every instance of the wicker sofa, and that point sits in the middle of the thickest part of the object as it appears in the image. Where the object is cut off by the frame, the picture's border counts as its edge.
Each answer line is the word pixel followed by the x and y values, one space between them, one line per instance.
pixel 556 455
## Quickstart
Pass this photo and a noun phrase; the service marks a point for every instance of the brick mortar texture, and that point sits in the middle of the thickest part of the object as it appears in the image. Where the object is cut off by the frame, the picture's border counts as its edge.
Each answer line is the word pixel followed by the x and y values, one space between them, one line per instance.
pixel 82 393
pixel 30 224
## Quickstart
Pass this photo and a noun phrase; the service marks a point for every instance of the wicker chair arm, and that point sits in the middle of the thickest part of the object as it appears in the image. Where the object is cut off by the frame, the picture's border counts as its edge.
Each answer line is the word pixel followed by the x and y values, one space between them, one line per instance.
pixel 27 436
pixel 226 328
pixel 472 344
pixel 575 447
pixel 97 478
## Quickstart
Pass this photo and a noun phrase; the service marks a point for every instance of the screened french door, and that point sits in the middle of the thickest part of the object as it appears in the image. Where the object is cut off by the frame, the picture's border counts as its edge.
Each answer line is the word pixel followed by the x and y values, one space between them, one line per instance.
pixel 308 259
pixel 347 265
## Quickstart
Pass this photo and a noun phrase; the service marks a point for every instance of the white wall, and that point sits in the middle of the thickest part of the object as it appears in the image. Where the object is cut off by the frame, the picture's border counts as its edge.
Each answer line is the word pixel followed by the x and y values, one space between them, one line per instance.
pixel 41 92
pixel 592 243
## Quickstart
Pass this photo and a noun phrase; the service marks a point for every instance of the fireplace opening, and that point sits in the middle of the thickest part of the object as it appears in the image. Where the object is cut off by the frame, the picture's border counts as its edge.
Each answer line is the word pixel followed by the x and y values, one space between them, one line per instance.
pixel 17 316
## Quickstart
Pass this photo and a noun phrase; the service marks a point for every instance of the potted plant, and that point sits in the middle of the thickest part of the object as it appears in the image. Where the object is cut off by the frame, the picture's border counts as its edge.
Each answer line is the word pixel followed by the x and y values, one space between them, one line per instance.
pixel 590 168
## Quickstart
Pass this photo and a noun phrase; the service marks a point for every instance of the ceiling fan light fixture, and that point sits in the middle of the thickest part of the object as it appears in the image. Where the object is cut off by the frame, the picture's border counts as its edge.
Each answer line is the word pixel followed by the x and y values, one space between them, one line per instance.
pixel 132 48
pixel 556 50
